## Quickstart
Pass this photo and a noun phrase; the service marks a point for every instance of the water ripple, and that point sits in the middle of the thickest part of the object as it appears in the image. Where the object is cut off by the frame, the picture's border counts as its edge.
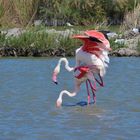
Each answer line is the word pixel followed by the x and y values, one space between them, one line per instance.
pixel 27 102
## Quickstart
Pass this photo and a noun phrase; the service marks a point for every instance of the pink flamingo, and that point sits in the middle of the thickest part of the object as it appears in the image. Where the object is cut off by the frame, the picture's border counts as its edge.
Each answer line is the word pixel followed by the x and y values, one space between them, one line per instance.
pixel 91 59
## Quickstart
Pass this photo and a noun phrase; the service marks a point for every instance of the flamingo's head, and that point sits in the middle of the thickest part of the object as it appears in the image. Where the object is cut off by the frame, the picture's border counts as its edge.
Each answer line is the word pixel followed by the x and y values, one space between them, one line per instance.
pixel 59 102
pixel 55 73
pixel 54 78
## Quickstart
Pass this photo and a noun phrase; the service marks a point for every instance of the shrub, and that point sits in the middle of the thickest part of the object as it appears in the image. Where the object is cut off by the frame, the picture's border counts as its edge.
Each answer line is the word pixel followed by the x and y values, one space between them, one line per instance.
pixel 40 40
pixel 116 46
pixel 132 19
pixel 138 47
pixel 18 12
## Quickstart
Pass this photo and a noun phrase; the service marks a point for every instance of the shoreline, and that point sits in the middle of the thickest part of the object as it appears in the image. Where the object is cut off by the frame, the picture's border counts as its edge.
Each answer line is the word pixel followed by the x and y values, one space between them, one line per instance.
pixel 17 42
pixel 22 52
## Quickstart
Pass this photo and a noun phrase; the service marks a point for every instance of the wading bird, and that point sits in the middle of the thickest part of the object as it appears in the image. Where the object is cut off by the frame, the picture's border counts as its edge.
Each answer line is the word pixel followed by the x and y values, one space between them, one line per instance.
pixel 91 62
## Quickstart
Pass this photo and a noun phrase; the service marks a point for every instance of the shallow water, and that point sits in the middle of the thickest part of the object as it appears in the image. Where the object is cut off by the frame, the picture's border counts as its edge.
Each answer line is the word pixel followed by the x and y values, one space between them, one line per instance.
pixel 27 102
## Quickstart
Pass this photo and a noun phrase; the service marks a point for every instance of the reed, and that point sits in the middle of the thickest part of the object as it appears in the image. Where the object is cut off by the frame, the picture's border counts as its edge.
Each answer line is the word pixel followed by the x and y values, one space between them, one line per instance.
pixel 131 19
pixel 51 43
pixel 40 40
pixel 7 12
pixel 18 12
pixel 116 46
pixel 77 12
pixel 26 10
pixel 138 46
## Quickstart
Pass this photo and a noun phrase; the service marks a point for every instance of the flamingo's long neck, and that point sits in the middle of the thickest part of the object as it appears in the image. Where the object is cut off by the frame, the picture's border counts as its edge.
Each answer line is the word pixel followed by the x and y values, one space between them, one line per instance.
pixel 57 68
pixel 67 93
pixel 71 94
pixel 66 64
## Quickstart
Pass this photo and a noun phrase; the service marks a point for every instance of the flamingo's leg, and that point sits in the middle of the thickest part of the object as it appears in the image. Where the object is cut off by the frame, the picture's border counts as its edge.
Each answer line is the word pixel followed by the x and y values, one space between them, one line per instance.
pixel 93 87
pixel 88 91
pixel 91 77
pixel 94 96
pixel 101 83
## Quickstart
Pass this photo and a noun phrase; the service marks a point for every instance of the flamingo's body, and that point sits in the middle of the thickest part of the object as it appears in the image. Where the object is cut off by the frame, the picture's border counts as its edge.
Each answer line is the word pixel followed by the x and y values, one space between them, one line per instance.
pixel 91 59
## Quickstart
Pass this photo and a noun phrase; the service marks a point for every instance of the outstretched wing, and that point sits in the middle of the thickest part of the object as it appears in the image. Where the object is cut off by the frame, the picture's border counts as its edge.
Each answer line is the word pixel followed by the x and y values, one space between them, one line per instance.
pixel 100 37
pixel 96 34
pixel 94 42
pixel 90 43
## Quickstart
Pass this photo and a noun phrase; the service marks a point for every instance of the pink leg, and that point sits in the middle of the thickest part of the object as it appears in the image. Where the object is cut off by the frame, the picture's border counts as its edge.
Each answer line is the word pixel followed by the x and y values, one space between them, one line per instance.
pixel 92 89
pixel 88 92
pixel 94 96
pixel 101 83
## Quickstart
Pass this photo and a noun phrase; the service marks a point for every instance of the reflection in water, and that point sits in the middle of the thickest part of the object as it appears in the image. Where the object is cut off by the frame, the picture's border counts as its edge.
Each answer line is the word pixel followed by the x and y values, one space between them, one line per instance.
pixel 81 103
pixel 27 102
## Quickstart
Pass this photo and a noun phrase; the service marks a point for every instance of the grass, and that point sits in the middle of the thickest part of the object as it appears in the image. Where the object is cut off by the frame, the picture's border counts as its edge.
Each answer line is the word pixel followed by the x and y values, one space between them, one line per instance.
pixel 38 38
pixel 17 12
pixel 138 47
pixel 116 46
pixel 113 28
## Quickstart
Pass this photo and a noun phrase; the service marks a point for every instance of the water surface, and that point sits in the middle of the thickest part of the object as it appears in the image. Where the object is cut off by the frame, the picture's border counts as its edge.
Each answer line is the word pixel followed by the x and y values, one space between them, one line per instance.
pixel 27 102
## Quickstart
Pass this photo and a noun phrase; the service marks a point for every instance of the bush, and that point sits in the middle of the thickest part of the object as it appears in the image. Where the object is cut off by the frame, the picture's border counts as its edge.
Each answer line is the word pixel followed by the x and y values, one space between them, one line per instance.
pixel 59 12
pixel 132 19
pixel 116 46
pixel 41 40
pixel 15 12
pixel 138 47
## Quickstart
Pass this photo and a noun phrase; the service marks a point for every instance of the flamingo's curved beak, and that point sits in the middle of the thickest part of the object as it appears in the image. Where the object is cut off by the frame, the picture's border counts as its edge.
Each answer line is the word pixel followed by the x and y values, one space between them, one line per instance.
pixel 54 78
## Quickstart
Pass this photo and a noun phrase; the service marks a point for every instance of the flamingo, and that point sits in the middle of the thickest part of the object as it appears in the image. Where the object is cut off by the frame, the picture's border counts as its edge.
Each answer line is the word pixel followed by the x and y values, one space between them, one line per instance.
pixel 91 59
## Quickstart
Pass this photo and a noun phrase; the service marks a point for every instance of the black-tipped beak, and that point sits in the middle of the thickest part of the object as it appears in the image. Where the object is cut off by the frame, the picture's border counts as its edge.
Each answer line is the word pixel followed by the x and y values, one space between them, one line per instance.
pixel 55 82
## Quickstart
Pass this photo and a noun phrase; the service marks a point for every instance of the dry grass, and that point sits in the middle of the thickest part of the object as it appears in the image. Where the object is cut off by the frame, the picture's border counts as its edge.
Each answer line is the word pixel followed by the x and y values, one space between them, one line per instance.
pixel 132 19
pixel 7 12
pixel 18 12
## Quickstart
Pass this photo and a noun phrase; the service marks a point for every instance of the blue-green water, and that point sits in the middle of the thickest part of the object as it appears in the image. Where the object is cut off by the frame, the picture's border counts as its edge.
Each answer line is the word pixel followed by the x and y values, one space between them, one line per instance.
pixel 27 102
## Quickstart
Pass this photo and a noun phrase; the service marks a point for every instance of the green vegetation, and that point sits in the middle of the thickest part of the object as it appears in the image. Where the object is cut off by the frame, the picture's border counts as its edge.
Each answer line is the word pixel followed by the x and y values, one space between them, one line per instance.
pixel 58 12
pixel 116 46
pixel 42 41
pixel 83 14
pixel 138 47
